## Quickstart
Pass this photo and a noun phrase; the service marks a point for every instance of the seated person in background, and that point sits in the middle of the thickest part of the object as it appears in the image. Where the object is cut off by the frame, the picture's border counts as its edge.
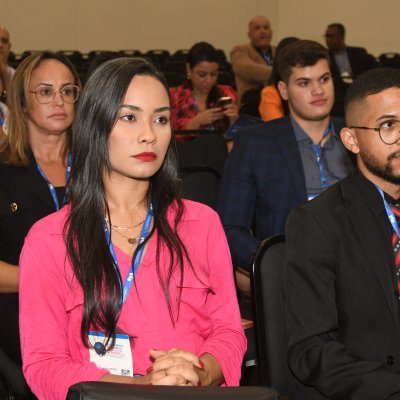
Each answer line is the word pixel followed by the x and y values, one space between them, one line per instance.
pixel 3 99
pixel 5 46
pixel 271 105
pixel 346 61
pixel 341 276
pixel 127 260
pixel 277 165
pixel 34 162
pixel 195 103
pixel 252 62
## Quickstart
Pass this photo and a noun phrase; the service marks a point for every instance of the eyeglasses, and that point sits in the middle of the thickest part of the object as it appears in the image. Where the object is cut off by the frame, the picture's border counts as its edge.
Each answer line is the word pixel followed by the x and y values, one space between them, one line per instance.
pixel 389 131
pixel 46 94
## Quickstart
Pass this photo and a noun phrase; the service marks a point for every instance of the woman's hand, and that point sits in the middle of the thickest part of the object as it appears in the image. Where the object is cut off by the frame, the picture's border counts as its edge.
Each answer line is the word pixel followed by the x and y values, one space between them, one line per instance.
pixel 205 117
pixel 231 111
pixel 176 367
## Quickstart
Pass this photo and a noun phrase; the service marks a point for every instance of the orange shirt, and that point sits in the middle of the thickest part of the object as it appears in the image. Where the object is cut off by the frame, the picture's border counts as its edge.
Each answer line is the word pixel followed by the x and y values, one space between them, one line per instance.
pixel 271 106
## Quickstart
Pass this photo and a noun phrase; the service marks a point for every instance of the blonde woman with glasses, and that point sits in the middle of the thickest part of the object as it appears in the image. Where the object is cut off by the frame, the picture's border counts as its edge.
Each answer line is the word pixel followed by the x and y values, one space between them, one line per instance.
pixel 34 168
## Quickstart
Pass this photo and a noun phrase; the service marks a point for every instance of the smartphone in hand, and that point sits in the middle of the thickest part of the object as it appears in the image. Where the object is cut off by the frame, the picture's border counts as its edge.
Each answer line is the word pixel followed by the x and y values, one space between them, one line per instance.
pixel 224 101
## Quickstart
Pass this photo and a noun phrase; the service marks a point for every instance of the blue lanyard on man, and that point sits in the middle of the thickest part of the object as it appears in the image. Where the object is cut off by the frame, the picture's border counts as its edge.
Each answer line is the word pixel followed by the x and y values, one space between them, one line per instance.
pixel 138 258
pixel 317 148
pixel 51 187
pixel 389 212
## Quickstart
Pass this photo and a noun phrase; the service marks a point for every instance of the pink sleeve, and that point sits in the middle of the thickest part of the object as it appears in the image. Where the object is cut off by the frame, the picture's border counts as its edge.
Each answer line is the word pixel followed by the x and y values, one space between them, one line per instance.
pixel 227 342
pixel 47 363
pixel 182 111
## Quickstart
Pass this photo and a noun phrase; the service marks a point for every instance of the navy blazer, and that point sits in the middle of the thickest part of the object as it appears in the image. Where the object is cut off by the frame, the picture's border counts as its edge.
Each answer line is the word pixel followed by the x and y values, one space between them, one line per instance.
pixel 263 181
pixel 342 302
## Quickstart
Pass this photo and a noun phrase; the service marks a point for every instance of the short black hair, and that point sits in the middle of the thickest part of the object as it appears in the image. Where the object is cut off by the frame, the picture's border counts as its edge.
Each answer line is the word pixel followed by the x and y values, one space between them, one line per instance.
pixel 340 27
pixel 301 53
pixel 371 82
pixel 275 77
pixel 202 51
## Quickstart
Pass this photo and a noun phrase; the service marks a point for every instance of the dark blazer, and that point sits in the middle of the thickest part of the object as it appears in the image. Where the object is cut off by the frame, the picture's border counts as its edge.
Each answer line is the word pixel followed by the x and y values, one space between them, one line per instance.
pixel 263 181
pixel 24 199
pixel 342 304
pixel 360 61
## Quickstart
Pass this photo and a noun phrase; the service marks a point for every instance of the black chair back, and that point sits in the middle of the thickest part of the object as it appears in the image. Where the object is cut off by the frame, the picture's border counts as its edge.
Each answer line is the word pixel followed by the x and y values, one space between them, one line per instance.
pixel 12 381
pixel 269 314
pixel 250 102
pixel 201 162
pixel 391 60
pixel 108 391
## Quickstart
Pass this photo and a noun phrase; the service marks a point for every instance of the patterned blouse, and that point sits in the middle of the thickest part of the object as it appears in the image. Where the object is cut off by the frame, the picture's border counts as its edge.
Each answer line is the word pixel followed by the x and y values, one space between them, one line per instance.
pixel 184 107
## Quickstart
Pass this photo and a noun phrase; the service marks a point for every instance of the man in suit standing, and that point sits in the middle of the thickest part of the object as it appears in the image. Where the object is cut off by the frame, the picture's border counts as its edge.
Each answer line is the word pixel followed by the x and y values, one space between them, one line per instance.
pixel 346 61
pixel 341 277
pixel 252 62
pixel 277 165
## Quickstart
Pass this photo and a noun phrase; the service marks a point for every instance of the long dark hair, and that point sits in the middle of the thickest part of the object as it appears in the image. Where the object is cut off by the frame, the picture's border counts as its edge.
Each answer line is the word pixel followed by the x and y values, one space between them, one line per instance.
pixel 87 246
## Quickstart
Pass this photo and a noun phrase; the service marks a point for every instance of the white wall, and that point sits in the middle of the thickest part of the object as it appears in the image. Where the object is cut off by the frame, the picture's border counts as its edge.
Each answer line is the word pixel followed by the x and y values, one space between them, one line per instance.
pixel 174 24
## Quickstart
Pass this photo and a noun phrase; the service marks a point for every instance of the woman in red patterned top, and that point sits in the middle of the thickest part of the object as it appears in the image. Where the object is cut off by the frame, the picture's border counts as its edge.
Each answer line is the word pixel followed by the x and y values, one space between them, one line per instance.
pixel 195 103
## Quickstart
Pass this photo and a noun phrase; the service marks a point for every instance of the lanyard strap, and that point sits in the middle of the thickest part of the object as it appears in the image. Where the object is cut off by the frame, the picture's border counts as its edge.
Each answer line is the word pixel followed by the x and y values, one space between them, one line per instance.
pixel 317 148
pixel 195 103
pixel 389 212
pixel 267 58
pixel 2 117
pixel 51 187
pixel 138 258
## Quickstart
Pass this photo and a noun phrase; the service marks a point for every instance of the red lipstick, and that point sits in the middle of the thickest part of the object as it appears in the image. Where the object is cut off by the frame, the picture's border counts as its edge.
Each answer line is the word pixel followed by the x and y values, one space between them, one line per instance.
pixel 146 156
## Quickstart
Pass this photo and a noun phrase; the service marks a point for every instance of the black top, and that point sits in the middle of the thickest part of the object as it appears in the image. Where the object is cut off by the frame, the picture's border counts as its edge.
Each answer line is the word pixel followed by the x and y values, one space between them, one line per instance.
pixel 24 199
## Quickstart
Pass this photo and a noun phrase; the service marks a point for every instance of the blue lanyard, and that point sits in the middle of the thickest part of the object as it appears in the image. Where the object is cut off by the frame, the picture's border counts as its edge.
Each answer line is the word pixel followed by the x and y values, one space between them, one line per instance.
pixel 389 212
pixel 317 148
pixel 51 187
pixel 195 103
pixel 135 264
pixel 267 58
pixel 207 126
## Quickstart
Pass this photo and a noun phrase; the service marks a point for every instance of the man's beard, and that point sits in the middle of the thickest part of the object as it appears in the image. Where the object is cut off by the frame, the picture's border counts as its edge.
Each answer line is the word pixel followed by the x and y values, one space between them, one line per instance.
pixel 386 172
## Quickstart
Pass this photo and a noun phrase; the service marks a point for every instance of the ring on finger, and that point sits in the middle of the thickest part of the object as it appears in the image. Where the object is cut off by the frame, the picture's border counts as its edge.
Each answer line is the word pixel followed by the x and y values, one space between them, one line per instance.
pixel 187 381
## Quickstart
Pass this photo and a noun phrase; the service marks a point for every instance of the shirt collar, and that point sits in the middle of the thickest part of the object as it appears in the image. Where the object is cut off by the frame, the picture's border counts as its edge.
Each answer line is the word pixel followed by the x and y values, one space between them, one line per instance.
pixel 301 134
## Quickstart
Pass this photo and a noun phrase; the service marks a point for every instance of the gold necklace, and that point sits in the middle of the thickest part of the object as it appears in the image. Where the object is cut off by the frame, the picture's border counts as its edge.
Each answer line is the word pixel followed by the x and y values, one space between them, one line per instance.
pixel 124 228
pixel 131 240
pixel 118 228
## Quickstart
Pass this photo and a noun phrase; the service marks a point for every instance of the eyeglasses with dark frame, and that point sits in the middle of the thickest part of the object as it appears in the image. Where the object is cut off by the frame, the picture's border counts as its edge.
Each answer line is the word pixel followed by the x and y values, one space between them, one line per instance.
pixel 389 130
pixel 46 94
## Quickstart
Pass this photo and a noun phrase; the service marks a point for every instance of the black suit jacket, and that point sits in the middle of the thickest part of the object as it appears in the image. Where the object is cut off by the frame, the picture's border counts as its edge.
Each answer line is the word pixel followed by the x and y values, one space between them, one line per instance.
pixel 360 61
pixel 342 301
pixel 24 199
pixel 263 181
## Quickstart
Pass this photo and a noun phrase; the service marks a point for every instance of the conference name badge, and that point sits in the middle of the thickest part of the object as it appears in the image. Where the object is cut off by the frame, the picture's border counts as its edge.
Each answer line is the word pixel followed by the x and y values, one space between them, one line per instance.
pixel 118 360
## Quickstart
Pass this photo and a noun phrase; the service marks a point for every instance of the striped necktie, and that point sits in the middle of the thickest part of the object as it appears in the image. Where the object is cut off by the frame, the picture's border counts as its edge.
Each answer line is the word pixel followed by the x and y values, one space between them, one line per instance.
pixel 396 245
